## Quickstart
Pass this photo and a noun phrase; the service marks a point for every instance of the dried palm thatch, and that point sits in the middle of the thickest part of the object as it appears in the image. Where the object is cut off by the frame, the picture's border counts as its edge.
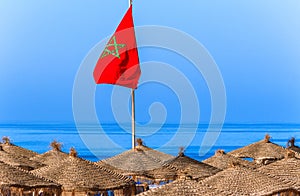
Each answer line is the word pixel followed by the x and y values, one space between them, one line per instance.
pixel 76 174
pixel 5 140
pixel 181 166
pixel 291 145
pixel 222 161
pixel 286 169
pixel 243 181
pixel 73 152
pixel 164 173
pixel 191 167
pixel 151 152
pixel 14 177
pixel 267 138
pixel 53 156
pixel 138 160
pixel 263 151
pixel 10 148
pixel 19 161
pixel 56 145
pixel 184 187
pixel 139 142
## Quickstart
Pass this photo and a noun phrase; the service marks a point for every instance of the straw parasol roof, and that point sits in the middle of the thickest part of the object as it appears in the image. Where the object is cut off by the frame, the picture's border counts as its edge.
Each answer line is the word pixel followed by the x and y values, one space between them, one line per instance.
pixel 76 174
pixel 15 177
pixel 164 173
pixel 18 161
pixel 287 169
pixel 260 151
pixel 53 156
pixel 184 187
pixel 243 181
pixel 10 148
pixel 222 161
pixel 192 167
pixel 136 161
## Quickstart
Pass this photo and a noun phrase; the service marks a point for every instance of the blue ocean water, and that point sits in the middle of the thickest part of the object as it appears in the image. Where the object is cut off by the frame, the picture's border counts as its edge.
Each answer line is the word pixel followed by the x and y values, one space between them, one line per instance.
pixel 37 137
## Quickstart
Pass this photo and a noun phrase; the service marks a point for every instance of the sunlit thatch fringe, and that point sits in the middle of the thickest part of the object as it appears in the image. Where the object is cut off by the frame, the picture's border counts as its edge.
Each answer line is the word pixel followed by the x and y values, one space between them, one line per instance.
pixel 243 181
pixel 263 152
pixel 287 169
pixel 14 181
pixel 184 186
pixel 222 160
pixel 78 175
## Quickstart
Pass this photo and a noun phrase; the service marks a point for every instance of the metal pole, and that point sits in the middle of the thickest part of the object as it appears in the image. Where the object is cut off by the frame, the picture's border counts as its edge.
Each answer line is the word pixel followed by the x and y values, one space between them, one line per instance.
pixel 133 118
pixel 132 111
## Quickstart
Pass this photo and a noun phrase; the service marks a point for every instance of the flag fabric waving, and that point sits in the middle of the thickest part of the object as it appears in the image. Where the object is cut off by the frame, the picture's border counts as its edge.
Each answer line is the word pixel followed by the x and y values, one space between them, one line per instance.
pixel 119 62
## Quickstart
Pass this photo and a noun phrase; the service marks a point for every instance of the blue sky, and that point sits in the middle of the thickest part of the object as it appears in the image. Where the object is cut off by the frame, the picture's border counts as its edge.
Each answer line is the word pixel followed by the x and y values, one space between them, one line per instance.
pixel 255 44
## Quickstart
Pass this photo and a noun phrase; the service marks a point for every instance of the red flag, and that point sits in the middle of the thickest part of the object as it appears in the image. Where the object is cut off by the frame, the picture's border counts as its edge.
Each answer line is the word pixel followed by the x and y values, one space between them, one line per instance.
pixel 119 62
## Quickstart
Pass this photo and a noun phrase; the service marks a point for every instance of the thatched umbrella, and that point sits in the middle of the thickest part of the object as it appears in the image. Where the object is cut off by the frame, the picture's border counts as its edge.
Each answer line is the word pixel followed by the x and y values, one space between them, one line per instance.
pixel 184 187
pixel 287 169
pixel 53 156
pixel 10 148
pixel 191 167
pixel 222 161
pixel 136 161
pixel 263 152
pixel 243 181
pixel 18 161
pixel 80 176
pixel 15 181
pixel 162 157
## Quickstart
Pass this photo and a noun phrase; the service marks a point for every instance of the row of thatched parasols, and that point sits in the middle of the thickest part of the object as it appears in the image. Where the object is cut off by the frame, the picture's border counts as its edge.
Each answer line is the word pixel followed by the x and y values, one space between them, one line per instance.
pixel 274 171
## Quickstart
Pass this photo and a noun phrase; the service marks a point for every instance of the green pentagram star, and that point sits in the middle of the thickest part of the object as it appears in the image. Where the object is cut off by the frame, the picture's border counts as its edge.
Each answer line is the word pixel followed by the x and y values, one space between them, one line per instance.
pixel 115 51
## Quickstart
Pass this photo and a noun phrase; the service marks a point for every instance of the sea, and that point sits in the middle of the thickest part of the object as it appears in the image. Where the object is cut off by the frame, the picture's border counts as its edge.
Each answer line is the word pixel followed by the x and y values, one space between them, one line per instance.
pixel 37 137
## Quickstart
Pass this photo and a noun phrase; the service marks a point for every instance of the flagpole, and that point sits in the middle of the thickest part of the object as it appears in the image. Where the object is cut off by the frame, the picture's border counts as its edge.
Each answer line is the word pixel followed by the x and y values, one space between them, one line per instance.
pixel 133 118
pixel 132 110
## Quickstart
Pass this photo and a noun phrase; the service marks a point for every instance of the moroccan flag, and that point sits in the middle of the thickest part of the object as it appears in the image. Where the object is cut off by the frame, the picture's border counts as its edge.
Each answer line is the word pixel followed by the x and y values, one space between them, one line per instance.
pixel 119 62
